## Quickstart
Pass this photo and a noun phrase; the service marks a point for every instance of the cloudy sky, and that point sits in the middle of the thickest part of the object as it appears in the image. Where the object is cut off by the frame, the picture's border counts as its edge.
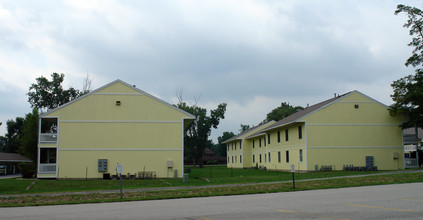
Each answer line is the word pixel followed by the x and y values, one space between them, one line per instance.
pixel 253 55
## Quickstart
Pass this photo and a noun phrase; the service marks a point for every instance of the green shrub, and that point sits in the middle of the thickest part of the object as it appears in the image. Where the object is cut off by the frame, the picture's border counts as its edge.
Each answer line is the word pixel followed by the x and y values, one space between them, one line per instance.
pixel 212 162
pixel 27 169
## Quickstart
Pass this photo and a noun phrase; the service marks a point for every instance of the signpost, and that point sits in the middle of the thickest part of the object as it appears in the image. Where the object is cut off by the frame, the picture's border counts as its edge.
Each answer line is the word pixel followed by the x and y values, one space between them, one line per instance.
pixel 293 177
pixel 119 170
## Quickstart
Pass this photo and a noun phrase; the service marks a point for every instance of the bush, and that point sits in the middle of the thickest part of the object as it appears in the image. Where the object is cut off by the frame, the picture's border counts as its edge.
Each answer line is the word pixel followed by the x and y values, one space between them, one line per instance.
pixel 212 162
pixel 27 170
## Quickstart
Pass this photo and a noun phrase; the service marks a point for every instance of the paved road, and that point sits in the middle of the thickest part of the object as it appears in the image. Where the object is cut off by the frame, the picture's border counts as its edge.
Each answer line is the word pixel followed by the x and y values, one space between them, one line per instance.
pixel 400 201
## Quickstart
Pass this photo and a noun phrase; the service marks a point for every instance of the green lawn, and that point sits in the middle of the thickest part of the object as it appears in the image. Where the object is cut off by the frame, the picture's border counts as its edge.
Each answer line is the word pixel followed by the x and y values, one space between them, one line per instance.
pixel 215 174
pixel 204 192
pixel 223 175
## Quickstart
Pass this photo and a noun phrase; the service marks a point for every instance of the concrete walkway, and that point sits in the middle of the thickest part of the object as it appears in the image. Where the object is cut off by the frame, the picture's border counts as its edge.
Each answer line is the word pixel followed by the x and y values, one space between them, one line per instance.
pixel 206 186
pixel 10 176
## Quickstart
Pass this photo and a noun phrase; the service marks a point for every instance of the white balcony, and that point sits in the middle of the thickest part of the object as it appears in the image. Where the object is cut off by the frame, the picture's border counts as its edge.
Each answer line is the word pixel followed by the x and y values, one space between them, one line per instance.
pixel 48 138
pixel 411 163
pixel 410 139
pixel 47 168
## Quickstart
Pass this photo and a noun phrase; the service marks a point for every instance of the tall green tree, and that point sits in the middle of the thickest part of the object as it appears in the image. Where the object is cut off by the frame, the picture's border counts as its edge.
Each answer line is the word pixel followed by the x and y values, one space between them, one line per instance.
pixel 29 139
pixel 22 137
pixel 408 91
pixel 46 94
pixel 282 112
pixel 198 132
pixel 222 147
pixel 9 143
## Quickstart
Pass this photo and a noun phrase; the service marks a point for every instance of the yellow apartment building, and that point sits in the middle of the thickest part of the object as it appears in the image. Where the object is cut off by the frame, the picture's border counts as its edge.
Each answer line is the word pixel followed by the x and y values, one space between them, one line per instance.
pixel 239 156
pixel 349 130
pixel 115 124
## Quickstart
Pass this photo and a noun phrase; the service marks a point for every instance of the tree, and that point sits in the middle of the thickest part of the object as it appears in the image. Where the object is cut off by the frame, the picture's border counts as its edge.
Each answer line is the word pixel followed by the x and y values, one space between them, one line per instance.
pixel 408 99
pixel 244 128
pixel 86 84
pixel 408 91
pixel 415 23
pixel 28 141
pixel 22 137
pixel 282 112
pixel 28 144
pixel 222 147
pixel 197 133
pixel 9 143
pixel 48 95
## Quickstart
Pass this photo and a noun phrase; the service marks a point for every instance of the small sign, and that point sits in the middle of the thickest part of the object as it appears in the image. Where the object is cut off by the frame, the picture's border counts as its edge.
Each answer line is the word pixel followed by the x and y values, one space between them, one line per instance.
pixel 119 168
pixel 292 168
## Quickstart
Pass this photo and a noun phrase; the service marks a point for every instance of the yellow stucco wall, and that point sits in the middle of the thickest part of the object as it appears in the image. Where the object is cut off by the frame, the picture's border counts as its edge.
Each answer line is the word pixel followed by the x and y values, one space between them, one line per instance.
pixel 118 88
pixel 103 107
pixel 338 157
pixel 235 151
pixel 141 131
pixel 356 135
pixel 133 162
pixel 344 112
pixel 47 176
pixel 120 135
pixel 246 161
pixel 258 150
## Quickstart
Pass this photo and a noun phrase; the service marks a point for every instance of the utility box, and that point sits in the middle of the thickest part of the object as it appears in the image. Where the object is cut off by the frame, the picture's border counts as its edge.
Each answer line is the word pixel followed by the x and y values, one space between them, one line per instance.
pixel 395 156
pixel 102 165
pixel 169 164
pixel 369 161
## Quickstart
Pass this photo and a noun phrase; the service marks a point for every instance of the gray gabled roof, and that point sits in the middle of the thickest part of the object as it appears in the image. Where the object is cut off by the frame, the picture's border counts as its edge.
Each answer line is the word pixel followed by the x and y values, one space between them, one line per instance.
pixel 300 114
pixel 190 116
pixel 240 135
pixel 13 157
pixel 258 134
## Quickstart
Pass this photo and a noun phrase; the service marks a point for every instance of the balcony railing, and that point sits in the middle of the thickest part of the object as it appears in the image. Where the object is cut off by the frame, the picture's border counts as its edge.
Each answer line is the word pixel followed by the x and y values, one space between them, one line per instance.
pixel 47 168
pixel 410 148
pixel 410 139
pixel 411 163
pixel 48 138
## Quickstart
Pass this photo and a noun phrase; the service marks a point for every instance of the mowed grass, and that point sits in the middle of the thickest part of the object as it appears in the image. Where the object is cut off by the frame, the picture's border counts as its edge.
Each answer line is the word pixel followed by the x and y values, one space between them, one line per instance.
pixel 223 175
pixel 216 175
pixel 219 191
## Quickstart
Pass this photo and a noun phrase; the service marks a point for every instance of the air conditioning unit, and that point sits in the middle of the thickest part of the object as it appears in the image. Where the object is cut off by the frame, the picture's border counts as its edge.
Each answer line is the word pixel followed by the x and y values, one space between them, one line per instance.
pixel 396 155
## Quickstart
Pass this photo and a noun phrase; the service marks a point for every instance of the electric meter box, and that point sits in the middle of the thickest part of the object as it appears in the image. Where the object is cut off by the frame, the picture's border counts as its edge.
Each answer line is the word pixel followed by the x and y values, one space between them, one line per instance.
pixel 102 165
